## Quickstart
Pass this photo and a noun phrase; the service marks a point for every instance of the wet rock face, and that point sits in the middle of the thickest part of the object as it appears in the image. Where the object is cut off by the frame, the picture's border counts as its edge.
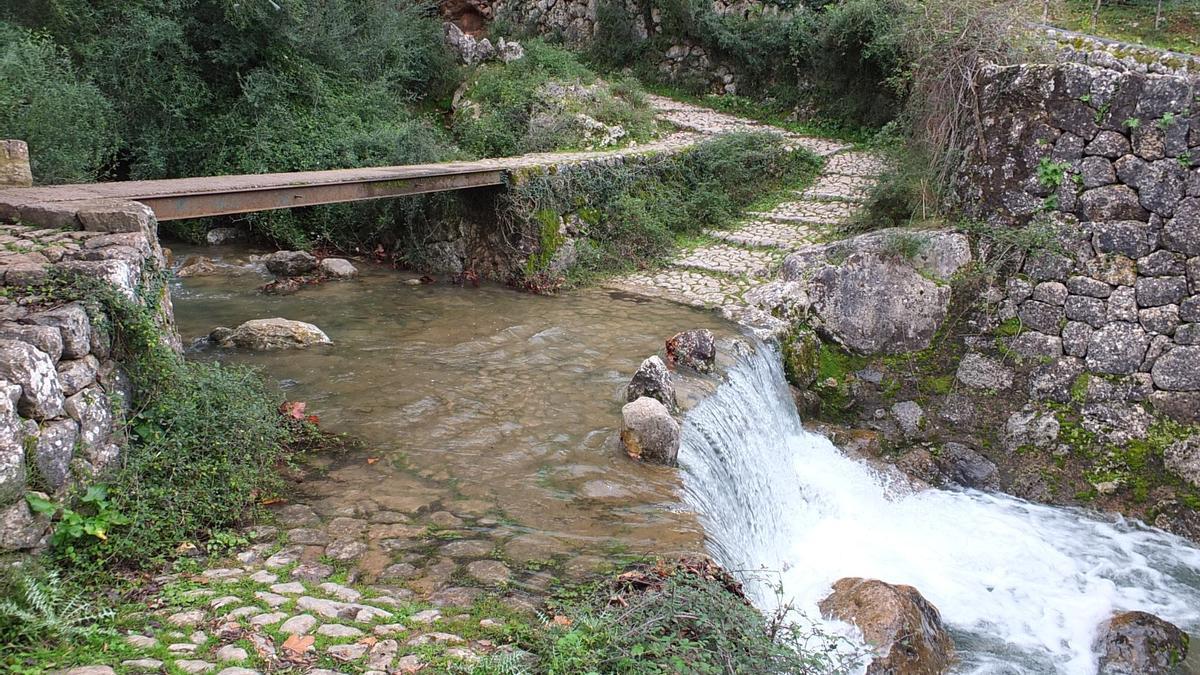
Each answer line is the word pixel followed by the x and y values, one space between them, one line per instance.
pixel 649 432
pixel 904 628
pixel 1137 643
pixel 696 349
pixel 289 263
pixel 273 334
pixel 652 380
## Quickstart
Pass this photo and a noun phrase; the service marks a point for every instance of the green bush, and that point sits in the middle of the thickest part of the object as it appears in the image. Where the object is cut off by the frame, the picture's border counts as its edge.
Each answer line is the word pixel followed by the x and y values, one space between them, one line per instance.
pixel 216 86
pixel 67 122
pixel 203 443
pixel 690 617
pixel 530 105
pixel 840 59
pixel 631 214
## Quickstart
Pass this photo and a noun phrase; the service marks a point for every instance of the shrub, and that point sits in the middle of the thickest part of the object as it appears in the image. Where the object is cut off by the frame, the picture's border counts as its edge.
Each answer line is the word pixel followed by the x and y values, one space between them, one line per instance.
pixel 36 606
pixel 203 442
pixel 67 122
pixel 630 214
pixel 531 105
pixel 690 617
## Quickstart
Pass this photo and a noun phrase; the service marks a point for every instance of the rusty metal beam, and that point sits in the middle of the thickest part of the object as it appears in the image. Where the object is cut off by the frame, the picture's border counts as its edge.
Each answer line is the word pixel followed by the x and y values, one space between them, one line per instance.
pixel 224 202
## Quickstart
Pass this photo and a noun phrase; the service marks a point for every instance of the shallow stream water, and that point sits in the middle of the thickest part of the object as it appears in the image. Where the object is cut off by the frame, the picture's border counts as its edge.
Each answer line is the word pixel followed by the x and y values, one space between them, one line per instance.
pixel 481 400
pixel 506 406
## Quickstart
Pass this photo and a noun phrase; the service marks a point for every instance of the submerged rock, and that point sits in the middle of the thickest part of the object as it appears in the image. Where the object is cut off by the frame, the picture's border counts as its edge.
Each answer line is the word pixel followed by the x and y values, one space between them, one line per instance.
pixel 338 268
pixel 696 349
pixel 289 263
pixel 1137 643
pixel 272 334
pixel 649 432
pixel 653 380
pixel 904 628
pixel 196 266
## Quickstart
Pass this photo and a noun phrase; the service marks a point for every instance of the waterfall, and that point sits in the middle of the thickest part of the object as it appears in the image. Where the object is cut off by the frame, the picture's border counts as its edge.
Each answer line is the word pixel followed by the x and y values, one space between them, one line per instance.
pixel 1021 586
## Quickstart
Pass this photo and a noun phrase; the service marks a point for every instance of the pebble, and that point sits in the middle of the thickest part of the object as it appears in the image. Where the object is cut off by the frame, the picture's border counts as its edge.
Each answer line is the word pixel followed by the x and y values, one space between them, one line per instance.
pixel 240 612
pixel 426 616
pixel 231 653
pixel 198 638
pixel 285 557
pixel 312 571
pixel 272 599
pixel 235 670
pixel 341 592
pixel 410 663
pixel 143 664
pixel 339 631
pixel 186 619
pixel 435 637
pixel 383 654
pixel 224 601
pixel 347 652
pixel 298 625
pixel 194 666
pixel 290 588
pixel 263 577
pixel 267 619
pixel 141 641
pixel 389 629
pixel 182 648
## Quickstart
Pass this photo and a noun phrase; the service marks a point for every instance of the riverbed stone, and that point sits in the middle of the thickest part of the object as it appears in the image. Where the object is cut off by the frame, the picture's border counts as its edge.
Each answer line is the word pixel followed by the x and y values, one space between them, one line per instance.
pixel 653 380
pixel 289 263
pixel 649 433
pixel 275 334
pixel 338 268
pixel 1138 643
pixel 695 349
pixel 902 626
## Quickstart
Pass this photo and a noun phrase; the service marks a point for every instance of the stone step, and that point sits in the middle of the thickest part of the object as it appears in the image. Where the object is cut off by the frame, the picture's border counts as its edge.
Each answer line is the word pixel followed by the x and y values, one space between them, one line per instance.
pixel 767 234
pixel 686 286
pixel 726 259
pixel 856 163
pixel 810 211
pixel 839 187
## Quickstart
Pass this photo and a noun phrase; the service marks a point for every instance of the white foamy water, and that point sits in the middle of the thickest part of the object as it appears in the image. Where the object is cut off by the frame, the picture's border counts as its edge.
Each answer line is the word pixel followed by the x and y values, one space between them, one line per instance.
pixel 1021 586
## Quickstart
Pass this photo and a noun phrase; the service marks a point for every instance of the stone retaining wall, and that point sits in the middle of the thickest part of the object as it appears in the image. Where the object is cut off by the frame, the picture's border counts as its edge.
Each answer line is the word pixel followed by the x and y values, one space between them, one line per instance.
pixel 1121 56
pixel 62 393
pixel 1110 160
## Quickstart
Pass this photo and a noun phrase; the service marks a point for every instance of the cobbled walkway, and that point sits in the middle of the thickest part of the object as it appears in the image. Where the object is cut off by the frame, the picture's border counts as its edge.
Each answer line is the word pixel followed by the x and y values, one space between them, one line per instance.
pixel 719 274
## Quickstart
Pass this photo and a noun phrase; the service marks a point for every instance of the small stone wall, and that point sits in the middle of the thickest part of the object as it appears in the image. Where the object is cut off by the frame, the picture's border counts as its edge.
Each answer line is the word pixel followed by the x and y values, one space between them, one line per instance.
pixel 62 393
pixel 1110 160
pixel 1121 56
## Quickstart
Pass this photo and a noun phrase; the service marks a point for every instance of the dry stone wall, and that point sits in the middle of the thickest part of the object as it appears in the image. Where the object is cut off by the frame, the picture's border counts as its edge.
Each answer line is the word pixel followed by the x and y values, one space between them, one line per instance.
pixel 62 392
pixel 1111 160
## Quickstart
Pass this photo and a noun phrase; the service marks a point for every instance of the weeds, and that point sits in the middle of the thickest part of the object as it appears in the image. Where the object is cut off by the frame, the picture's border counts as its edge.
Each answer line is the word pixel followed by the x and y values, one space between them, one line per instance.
pixel 36 606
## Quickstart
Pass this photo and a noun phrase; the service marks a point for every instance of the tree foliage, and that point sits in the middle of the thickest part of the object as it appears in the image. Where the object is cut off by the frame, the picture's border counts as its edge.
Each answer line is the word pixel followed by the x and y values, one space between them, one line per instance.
pixel 227 86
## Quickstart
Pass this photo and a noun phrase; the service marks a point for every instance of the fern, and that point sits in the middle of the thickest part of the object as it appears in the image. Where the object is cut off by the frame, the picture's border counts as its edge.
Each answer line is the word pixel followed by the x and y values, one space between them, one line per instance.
pixel 40 608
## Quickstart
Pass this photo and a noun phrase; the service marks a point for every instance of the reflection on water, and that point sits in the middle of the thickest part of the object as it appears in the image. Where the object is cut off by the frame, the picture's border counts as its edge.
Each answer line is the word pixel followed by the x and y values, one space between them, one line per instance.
pixel 501 403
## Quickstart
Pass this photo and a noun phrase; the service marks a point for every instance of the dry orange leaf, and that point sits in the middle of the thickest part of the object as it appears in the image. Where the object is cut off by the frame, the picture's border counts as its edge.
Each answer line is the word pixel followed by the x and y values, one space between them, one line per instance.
pixel 298 644
pixel 562 620
pixel 372 460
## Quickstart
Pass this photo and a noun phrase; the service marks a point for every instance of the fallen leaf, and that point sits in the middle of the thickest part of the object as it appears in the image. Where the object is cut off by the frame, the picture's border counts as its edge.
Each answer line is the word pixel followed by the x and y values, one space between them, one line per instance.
pixel 562 620
pixel 372 460
pixel 293 409
pixel 298 644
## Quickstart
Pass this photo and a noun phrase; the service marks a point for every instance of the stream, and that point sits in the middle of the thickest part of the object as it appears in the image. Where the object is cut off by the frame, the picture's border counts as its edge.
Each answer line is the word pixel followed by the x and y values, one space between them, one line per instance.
pixel 508 405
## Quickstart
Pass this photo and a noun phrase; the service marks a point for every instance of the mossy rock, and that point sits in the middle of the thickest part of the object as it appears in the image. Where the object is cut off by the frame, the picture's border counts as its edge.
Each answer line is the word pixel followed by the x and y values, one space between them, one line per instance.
pixel 801 357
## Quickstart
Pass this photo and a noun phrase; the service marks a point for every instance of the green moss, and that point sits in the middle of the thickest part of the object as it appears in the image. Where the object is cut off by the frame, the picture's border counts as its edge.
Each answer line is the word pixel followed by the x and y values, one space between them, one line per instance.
pixel 1009 328
pixel 939 385
pixel 1079 388
pixel 549 239
pixel 801 361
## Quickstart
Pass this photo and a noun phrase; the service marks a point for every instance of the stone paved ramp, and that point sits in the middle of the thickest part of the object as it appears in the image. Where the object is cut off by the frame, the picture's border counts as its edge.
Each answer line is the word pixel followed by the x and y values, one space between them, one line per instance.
pixel 718 275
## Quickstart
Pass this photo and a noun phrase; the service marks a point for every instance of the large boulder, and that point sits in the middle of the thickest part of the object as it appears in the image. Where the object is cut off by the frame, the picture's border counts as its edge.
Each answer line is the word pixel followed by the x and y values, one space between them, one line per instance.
pixel 652 380
pixel 273 334
pixel 878 293
pixel 1137 643
pixel 289 263
pixel 338 268
pixel 897 621
pixel 696 349
pixel 649 432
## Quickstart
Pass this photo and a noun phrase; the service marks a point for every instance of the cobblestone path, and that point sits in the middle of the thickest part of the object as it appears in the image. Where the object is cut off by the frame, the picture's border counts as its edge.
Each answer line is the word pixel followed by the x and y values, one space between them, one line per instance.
pixel 718 274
